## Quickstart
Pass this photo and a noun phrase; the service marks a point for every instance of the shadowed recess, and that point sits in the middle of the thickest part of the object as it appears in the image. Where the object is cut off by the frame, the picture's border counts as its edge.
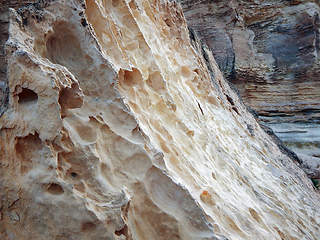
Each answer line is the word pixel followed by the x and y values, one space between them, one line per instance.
pixel 27 96
pixel 55 189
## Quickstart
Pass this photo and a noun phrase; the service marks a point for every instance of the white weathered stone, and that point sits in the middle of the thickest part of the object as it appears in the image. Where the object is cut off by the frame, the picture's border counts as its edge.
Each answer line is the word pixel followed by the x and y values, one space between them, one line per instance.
pixel 121 127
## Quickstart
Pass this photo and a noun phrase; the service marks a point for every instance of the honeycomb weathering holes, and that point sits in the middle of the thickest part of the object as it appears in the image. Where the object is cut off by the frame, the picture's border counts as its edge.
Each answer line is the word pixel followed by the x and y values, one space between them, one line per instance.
pixel 115 3
pixel 130 78
pixel 70 98
pixel 27 96
pixel 64 48
pixel 27 149
pixel 84 22
pixel 55 189
pixel 123 231
pixel 88 227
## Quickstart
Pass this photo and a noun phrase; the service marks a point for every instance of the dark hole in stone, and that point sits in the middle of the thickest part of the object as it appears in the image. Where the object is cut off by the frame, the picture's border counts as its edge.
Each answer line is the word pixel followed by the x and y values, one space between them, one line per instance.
pixel 88 227
pixel 68 98
pixel 316 182
pixel 236 110
pixel 230 100
pixel 25 21
pixel 168 22
pixel 55 189
pixel 84 22
pixel 123 231
pixel 27 96
pixel 74 174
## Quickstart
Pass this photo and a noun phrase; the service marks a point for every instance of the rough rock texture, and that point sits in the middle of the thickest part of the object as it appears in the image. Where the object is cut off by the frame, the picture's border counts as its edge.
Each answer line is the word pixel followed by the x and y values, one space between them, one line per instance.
pixel 120 125
pixel 4 25
pixel 270 51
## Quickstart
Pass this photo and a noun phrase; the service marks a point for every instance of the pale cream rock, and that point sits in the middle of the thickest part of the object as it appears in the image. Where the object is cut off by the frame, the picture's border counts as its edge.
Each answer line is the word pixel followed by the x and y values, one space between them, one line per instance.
pixel 121 127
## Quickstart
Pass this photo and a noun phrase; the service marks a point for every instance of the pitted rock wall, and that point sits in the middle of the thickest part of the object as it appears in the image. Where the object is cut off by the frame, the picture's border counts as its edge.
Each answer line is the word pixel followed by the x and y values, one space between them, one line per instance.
pixel 120 125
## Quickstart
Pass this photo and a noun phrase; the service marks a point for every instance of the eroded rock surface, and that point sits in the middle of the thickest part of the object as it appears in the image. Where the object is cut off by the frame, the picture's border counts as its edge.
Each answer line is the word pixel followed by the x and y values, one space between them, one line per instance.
pixel 270 51
pixel 4 25
pixel 120 125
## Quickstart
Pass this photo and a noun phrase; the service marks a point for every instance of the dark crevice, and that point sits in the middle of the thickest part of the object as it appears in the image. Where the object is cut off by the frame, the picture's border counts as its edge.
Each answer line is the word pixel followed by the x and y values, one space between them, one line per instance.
pixel 236 110
pixel 123 231
pixel 4 100
pixel 200 108
pixel 230 100
pixel 84 22
pixel 27 96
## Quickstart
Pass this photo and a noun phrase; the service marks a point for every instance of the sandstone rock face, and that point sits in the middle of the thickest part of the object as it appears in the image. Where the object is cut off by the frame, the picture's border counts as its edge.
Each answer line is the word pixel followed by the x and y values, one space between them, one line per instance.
pixel 270 51
pixel 120 125
pixel 4 25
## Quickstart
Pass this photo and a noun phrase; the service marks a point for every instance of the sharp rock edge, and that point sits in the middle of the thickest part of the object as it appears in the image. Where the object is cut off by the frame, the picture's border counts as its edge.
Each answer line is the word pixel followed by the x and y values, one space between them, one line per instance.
pixel 120 126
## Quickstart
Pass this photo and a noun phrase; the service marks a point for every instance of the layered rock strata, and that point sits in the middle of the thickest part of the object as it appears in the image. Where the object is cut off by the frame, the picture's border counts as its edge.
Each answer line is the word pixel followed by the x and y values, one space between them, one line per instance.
pixel 270 51
pixel 120 125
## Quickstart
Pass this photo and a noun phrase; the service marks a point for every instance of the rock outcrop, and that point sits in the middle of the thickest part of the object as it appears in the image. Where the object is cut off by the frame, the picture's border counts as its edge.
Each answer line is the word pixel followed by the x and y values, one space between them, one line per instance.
pixel 4 25
pixel 270 51
pixel 119 125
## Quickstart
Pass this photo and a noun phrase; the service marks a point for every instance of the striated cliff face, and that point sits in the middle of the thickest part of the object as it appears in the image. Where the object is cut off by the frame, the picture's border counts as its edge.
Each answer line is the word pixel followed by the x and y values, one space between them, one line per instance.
pixel 270 51
pixel 119 125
